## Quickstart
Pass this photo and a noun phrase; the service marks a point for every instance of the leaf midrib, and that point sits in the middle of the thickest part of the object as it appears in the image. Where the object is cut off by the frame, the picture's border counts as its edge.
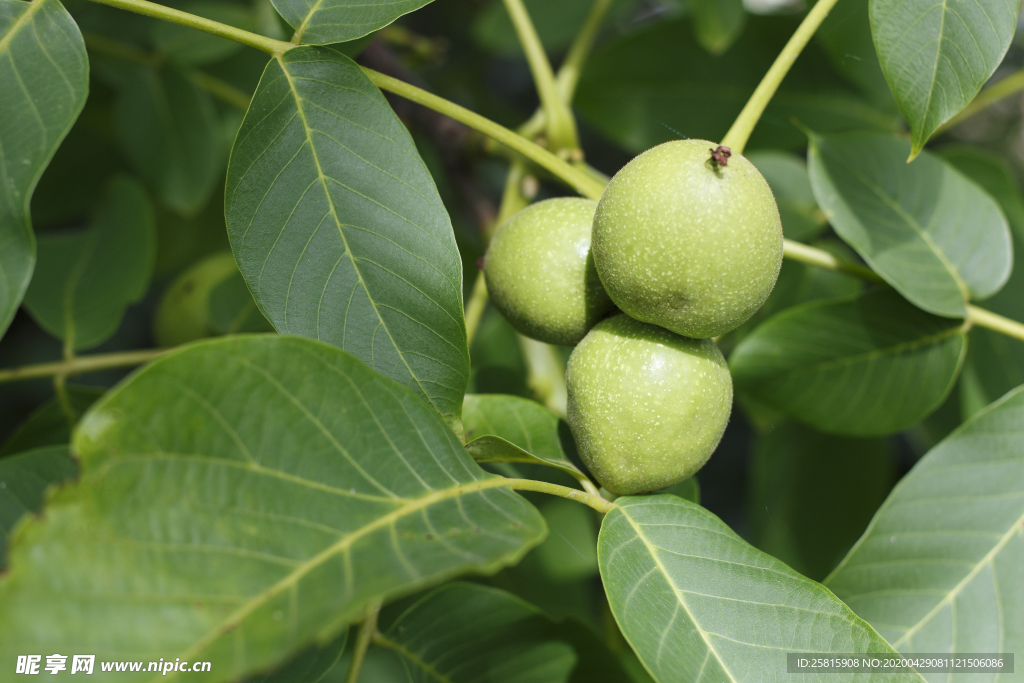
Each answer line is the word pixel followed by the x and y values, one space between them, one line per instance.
pixel 322 177
pixel 654 556
pixel 1014 529
pixel 913 224
pixel 341 545
pixel 20 22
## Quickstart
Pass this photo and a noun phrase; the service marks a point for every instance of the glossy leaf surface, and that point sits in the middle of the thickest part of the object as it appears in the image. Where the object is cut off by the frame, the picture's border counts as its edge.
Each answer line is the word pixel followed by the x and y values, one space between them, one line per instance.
pixel 338 229
pixel 44 78
pixel 498 638
pixel 23 480
pixel 304 486
pixel 512 429
pixel 931 232
pixel 320 22
pixel 85 279
pixel 637 93
pixel 941 568
pixel 867 366
pixel 698 603
pixel 937 54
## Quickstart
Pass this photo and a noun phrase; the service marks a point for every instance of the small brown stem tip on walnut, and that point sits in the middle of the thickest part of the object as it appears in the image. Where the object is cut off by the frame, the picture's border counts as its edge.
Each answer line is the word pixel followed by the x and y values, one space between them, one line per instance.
pixel 721 155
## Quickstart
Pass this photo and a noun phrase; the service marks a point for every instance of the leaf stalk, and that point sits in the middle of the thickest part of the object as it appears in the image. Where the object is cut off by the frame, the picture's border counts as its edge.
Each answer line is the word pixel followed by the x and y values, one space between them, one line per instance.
pixel 152 9
pixel 366 632
pixel 81 364
pixel 561 127
pixel 594 501
pixel 738 135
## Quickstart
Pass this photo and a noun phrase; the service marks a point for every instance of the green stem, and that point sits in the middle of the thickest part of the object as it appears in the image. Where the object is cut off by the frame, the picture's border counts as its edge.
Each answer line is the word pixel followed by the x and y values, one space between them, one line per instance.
pixel 81 364
pixel 545 374
pixel 579 180
pixel 1005 87
pixel 594 501
pixel 366 633
pixel 512 200
pixel 151 9
pixel 561 126
pixel 995 322
pixel 569 73
pixel 737 137
pixel 475 307
pixel 60 388
pixel 823 259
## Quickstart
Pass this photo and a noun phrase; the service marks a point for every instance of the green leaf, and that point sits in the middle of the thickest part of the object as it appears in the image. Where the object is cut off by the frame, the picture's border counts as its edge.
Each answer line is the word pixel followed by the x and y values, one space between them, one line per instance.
pixel 243 497
pixel 812 494
pixel 167 127
pixel 48 424
pixel 635 91
pixel 941 568
pixel 569 553
pixel 85 279
pixel 188 47
pixel 931 232
pixel 24 479
pixel 44 76
pixel 936 54
pixel 698 603
pixel 338 228
pixel 717 23
pixel 867 366
pixel 309 666
pixel 320 22
pixel 846 37
pixel 802 220
pixel 511 429
pixel 995 362
pixel 498 638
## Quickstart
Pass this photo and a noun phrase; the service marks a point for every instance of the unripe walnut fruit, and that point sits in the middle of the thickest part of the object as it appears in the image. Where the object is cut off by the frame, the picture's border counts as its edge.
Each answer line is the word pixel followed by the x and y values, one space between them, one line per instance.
pixel 647 407
pixel 687 243
pixel 540 274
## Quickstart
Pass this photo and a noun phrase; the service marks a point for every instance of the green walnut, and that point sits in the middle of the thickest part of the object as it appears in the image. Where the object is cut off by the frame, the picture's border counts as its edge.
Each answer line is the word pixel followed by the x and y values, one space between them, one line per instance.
pixel 687 236
pixel 540 274
pixel 647 407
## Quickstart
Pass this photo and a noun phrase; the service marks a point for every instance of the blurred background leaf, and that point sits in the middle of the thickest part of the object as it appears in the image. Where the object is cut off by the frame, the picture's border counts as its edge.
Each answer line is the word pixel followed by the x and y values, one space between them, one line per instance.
pixel 86 278
pixel 813 494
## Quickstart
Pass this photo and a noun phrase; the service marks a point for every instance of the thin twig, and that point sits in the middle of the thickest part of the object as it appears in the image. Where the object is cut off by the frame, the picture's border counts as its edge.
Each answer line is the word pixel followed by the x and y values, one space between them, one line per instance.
pixel 81 364
pixel 366 632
